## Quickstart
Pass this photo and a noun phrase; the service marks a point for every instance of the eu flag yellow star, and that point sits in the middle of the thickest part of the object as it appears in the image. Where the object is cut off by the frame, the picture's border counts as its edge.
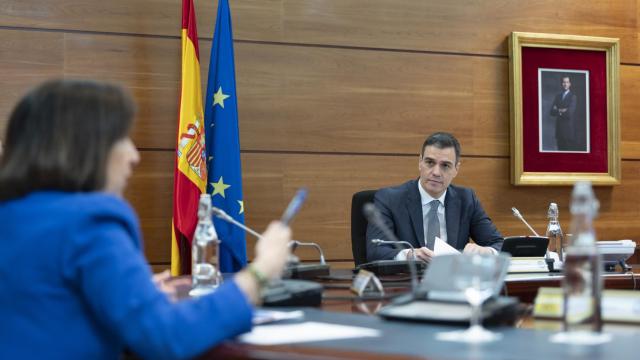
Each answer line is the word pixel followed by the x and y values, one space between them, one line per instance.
pixel 219 187
pixel 241 206
pixel 219 97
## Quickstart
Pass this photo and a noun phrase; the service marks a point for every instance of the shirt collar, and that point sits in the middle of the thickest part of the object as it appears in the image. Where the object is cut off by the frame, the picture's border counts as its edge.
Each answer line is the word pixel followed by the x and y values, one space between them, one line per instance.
pixel 426 198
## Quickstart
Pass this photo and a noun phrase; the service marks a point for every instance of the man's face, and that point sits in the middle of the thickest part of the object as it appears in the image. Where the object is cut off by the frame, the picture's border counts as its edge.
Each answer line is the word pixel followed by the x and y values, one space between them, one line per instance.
pixel 566 83
pixel 437 168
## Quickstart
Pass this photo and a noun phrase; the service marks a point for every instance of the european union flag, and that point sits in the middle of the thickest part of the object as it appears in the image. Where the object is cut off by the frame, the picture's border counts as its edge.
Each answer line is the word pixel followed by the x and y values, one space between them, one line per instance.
pixel 223 143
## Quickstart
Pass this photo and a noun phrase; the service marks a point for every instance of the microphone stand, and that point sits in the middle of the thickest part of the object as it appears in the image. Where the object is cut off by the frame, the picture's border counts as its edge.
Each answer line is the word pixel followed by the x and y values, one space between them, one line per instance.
pixel 373 216
pixel 414 280
pixel 293 244
pixel 280 292
pixel 295 270
pixel 221 214
pixel 517 214
pixel 547 258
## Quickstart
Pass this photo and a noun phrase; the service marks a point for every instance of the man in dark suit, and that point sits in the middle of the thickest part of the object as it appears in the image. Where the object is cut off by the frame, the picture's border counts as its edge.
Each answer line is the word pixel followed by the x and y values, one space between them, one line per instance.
pixel 420 210
pixel 564 109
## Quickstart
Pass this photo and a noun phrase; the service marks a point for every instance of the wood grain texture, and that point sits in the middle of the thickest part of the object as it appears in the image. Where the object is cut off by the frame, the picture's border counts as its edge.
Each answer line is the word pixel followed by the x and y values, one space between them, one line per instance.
pixel 313 99
pixel 150 191
pixel 26 58
pixel 271 179
pixel 467 26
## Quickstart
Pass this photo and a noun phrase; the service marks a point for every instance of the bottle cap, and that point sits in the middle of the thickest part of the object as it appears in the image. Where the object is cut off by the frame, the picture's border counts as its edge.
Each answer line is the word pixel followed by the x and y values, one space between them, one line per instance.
pixel 583 200
pixel 553 210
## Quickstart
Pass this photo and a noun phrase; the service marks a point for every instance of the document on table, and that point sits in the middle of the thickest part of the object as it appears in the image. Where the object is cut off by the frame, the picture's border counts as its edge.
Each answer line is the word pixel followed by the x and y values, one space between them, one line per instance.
pixel 442 248
pixel 262 316
pixel 304 332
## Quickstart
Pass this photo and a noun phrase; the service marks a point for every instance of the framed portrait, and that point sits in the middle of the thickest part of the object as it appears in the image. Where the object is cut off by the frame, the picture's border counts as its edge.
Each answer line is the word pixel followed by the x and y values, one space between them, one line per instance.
pixel 565 123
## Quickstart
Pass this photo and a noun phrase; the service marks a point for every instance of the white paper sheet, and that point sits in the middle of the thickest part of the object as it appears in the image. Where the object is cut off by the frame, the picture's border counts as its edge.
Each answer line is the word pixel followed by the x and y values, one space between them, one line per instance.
pixel 304 332
pixel 442 248
pixel 262 316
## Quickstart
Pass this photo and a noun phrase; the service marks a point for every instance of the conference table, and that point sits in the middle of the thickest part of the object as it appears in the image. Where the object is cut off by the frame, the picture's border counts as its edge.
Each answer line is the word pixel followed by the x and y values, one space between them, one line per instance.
pixel 525 338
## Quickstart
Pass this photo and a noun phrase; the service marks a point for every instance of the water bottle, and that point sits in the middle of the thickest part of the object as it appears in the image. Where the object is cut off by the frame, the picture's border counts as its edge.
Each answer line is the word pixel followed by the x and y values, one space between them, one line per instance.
pixel 582 283
pixel 554 232
pixel 205 273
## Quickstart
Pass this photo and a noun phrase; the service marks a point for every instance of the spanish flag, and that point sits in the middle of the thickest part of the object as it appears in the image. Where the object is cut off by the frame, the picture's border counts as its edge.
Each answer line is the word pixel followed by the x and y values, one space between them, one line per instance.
pixel 190 175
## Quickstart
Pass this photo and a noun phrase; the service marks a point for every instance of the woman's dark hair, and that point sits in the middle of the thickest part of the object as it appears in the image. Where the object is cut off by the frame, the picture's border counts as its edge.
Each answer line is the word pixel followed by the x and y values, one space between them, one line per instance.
pixel 60 135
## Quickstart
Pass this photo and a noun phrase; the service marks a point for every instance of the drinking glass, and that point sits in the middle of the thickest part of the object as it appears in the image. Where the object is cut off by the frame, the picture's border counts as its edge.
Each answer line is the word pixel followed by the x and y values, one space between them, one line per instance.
pixel 476 276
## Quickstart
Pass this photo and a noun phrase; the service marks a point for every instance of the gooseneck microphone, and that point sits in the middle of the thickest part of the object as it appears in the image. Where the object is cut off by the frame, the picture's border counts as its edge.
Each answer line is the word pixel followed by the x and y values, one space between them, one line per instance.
pixel 220 214
pixel 293 260
pixel 408 244
pixel 517 214
pixel 373 216
pixel 293 244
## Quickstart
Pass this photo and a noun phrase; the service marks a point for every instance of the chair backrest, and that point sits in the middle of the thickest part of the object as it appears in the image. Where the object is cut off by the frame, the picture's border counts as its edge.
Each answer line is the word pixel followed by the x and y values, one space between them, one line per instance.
pixel 359 225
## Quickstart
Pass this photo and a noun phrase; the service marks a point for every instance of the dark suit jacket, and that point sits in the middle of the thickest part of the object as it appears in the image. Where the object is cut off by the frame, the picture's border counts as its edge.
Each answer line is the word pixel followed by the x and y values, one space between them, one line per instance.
pixel 401 209
pixel 568 103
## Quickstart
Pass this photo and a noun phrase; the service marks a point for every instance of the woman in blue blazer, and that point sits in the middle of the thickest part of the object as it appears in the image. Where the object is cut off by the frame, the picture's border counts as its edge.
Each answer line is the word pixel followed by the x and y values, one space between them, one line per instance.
pixel 74 283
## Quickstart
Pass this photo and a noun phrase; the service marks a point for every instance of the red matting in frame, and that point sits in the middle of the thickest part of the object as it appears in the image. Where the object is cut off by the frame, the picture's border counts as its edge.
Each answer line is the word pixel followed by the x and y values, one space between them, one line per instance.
pixel 595 62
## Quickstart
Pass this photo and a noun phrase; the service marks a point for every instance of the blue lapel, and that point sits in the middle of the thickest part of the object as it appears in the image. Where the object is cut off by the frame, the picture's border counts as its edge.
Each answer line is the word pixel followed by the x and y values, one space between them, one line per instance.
pixel 414 208
pixel 452 214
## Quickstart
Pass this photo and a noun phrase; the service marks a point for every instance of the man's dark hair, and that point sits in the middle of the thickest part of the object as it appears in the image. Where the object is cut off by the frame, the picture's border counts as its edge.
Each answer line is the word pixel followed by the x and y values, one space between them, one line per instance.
pixel 565 76
pixel 442 140
pixel 60 135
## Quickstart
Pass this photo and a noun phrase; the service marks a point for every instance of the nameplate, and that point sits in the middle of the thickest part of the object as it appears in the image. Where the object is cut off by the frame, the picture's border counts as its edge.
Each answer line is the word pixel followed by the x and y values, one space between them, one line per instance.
pixel 617 305
pixel 366 282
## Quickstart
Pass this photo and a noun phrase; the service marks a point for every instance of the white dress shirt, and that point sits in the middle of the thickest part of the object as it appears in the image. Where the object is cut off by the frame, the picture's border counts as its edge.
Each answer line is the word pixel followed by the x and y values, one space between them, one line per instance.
pixel 425 200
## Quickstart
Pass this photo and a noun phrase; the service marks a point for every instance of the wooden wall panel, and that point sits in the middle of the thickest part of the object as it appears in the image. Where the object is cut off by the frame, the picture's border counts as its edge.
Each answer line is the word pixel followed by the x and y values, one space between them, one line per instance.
pixel 363 101
pixel 150 191
pixel 326 97
pixel 630 111
pixel 26 66
pixel 324 100
pixel 148 67
pixel 469 26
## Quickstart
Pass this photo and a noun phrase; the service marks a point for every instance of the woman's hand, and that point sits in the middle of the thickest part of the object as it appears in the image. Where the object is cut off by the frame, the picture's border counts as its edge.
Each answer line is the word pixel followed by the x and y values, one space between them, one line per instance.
pixel 171 286
pixel 272 252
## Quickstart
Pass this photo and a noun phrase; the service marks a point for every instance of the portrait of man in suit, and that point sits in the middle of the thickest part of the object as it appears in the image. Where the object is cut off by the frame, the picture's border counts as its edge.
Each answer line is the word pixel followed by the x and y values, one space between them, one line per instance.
pixel 564 119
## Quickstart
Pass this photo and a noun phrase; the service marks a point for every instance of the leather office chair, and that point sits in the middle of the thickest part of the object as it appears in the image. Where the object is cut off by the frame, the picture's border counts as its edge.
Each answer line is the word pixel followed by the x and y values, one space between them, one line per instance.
pixel 359 225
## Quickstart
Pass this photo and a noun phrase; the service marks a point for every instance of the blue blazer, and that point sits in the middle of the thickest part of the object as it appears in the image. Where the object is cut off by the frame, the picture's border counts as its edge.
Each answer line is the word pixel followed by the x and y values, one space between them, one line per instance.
pixel 401 209
pixel 75 285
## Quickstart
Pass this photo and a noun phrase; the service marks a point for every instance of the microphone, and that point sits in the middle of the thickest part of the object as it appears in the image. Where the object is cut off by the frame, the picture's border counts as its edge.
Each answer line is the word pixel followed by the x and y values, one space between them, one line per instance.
pixel 293 244
pixel 408 244
pixel 297 270
pixel 547 257
pixel 373 216
pixel 517 214
pixel 221 214
pixel 281 292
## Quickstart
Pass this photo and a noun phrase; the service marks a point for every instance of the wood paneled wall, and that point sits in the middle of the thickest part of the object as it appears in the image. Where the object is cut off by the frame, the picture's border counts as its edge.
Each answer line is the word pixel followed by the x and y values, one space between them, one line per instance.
pixel 335 95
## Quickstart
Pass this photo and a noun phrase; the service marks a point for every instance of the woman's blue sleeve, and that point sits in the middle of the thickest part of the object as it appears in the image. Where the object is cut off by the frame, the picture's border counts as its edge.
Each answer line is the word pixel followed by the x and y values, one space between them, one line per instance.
pixel 111 274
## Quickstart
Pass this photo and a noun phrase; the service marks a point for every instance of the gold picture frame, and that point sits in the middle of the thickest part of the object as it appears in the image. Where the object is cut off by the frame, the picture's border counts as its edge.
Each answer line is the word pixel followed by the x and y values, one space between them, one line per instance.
pixel 563 151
